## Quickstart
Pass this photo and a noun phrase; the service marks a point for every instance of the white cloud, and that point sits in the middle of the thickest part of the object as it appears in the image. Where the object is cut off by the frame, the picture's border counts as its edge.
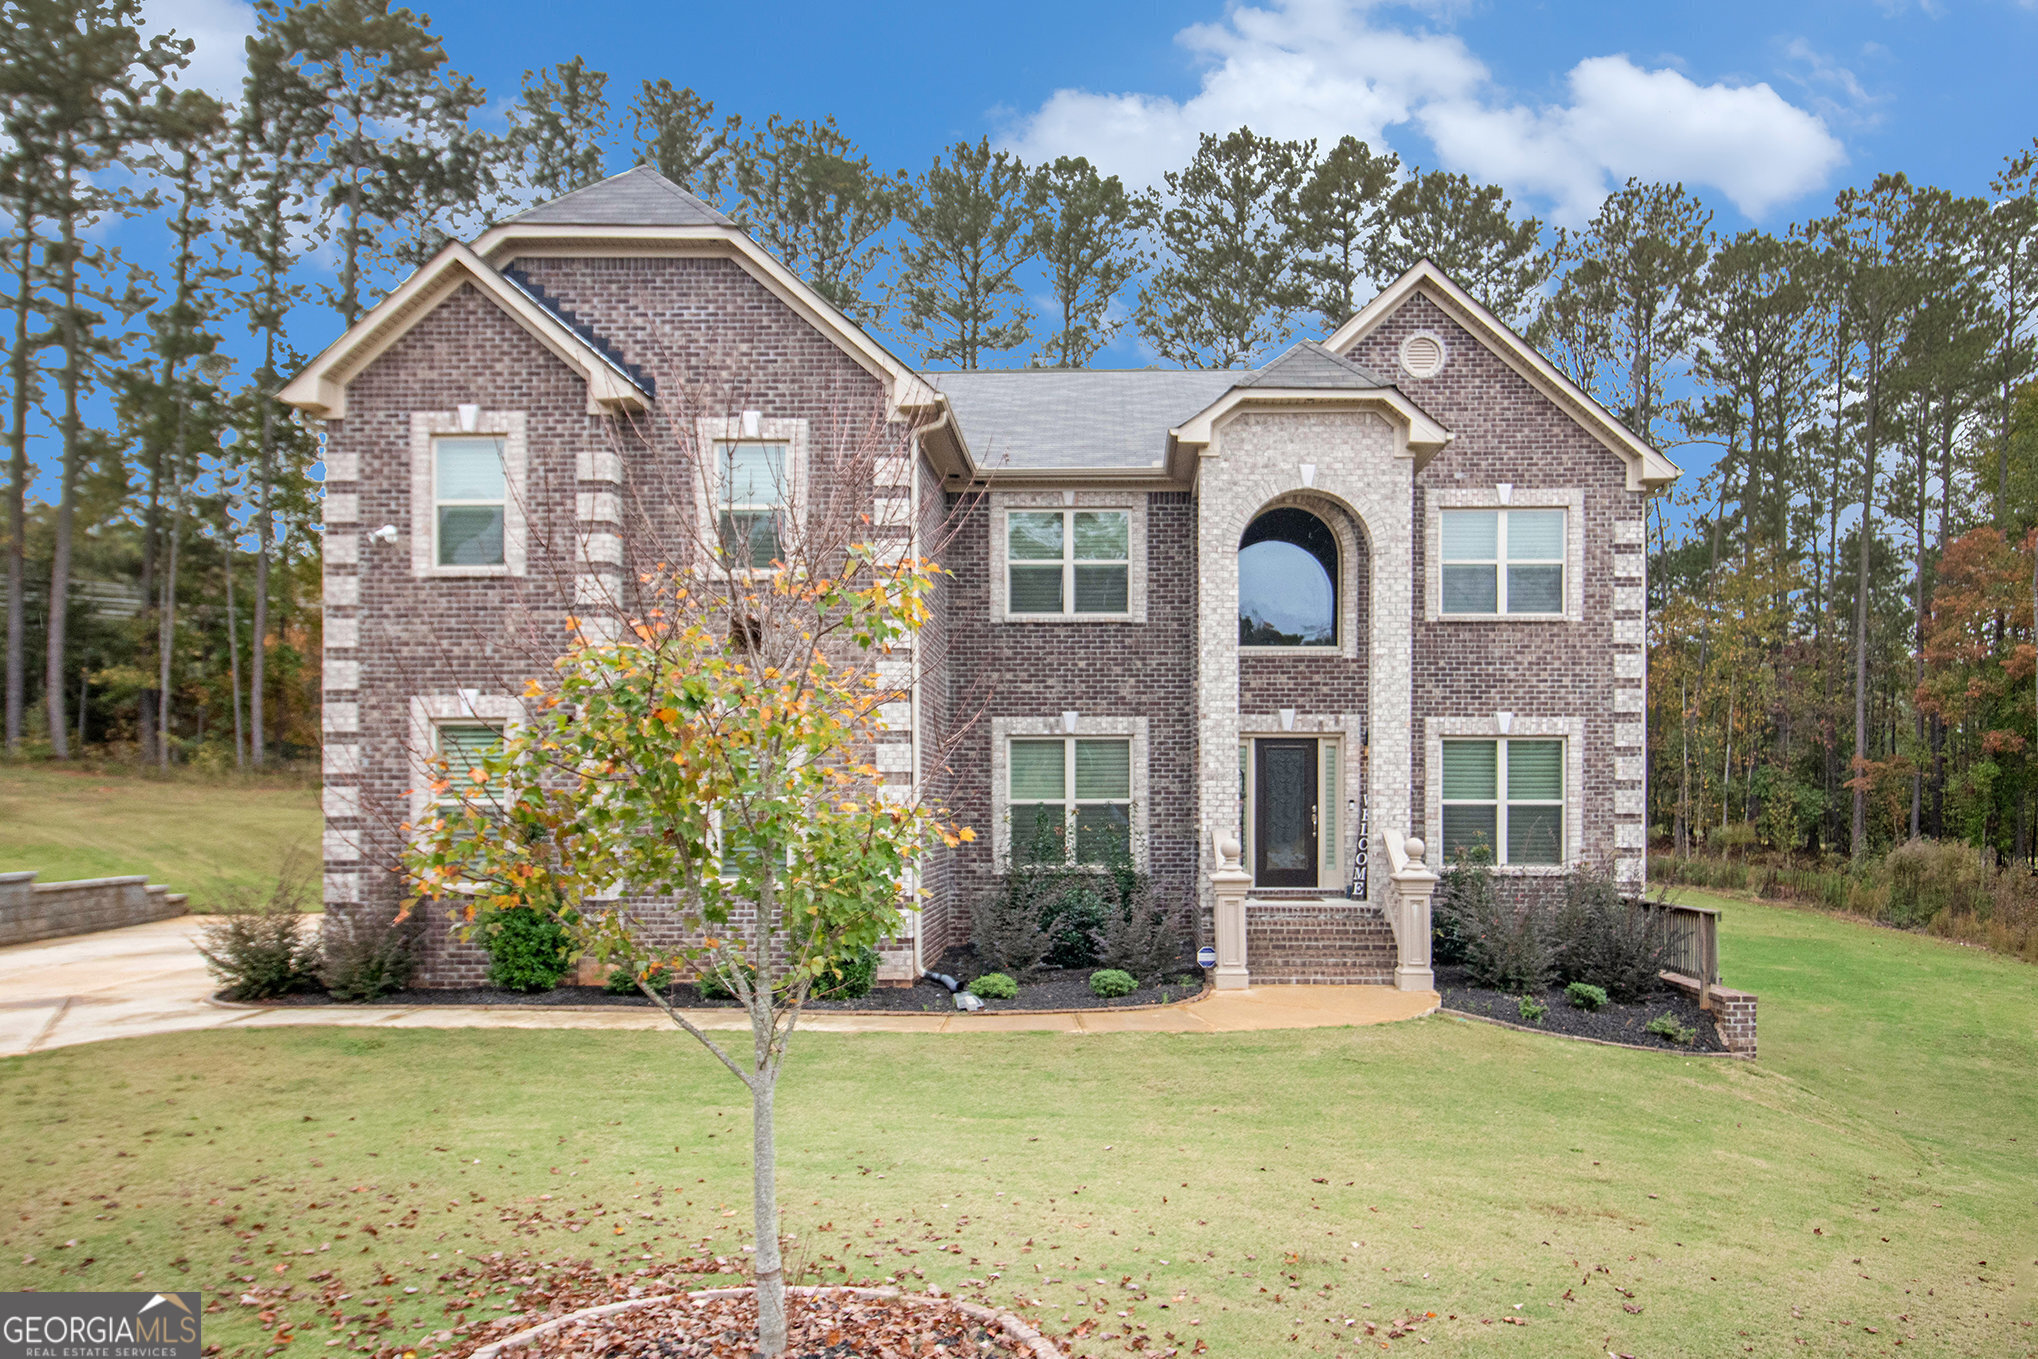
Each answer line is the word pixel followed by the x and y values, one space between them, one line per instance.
pixel 1323 68
pixel 219 27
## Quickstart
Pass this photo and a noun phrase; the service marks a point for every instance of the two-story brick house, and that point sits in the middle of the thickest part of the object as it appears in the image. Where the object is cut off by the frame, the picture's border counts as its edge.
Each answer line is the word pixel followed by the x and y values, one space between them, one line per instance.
pixel 1251 625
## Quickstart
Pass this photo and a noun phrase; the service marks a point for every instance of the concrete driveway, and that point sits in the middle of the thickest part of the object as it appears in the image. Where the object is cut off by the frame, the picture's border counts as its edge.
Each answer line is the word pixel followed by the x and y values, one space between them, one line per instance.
pixel 150 979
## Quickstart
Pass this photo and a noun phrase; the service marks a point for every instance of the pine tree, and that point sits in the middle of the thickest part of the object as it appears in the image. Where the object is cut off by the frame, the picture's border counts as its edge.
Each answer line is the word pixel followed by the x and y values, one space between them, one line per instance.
pixel 808 195
pixel 1085 233
pixel 380 73
pixel 968 220
pixel 1466 230
pixel 2010 240
pixel 1339 217
pixel 676 136
pixel 559 127
pixel 271 178
pixel 1227 287
pixel 86 71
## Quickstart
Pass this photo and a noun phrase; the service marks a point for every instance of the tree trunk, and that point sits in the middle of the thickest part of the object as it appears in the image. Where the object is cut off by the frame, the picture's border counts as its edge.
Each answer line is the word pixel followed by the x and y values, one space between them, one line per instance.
pixel 233 653
pixel 264 529
pixel 60 558
pixel 166 616
pixel 17 494
pixel 771 1318
pixel 1858 848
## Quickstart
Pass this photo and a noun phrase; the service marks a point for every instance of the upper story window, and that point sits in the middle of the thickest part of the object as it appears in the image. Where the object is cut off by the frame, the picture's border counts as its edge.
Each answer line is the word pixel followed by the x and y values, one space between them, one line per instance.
pixel 1503 561
pixel 470 500
pixel 1505 797
pixel 1071 800
pixel 1070 562
pixel 1287 580
pixel 752 493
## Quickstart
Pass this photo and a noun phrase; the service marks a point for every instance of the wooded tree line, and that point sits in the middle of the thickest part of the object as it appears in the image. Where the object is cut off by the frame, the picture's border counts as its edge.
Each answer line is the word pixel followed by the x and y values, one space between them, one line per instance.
pixel 1861 381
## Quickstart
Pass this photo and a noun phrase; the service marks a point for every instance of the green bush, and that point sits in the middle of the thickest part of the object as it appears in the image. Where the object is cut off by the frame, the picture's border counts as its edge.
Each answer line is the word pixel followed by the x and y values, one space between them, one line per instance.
pixel 1140 940
pixel 1927 877
pixel 622 978
pixel 526 950
pixel 1532 1011
pixel 1110 983
pixel 850 977
pixel 1507 947
pixel 1005 928
pixel 365 957
pixel 1585 996
pixel 1071 916
pixel 995 986
pixel 1609 941
pixel 713 986
pixel 1667 1026
pixel 258 946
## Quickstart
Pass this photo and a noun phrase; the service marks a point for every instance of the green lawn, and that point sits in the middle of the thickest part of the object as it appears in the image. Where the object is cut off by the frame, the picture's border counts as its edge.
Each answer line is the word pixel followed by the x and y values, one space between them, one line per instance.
pixel 1874 1178
pixel 191 833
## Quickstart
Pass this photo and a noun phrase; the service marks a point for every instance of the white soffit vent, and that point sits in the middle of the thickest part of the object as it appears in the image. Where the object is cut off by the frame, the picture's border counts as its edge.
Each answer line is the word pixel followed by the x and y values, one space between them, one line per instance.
pixel 1422 354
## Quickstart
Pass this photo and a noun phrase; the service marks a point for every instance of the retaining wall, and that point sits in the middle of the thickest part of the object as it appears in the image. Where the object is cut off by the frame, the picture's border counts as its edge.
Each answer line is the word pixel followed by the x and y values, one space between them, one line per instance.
pixel 31 910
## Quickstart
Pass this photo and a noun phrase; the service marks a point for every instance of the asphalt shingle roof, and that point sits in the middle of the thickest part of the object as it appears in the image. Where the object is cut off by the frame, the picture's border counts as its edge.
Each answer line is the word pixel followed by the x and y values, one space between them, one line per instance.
pixel 1041 418
pixel 1309 365
pixel 639 197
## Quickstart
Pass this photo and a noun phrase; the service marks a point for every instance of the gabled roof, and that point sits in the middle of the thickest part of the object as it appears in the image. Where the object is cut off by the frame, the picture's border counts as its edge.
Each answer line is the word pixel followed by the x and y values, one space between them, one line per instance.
pixel 637 197
pixel 1309 366
pixel 1089 419
pixel 1647 468
pixel 320 390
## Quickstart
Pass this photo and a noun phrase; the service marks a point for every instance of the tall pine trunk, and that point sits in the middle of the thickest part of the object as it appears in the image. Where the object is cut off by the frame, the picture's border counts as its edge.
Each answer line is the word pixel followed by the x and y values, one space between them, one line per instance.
pixel 17 487
pixel 1858 845
pixel 264 531
pixel 60 558
pixel 233 651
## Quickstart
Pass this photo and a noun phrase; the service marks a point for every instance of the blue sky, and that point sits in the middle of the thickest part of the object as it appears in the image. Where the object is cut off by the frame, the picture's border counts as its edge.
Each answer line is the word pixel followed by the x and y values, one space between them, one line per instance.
pixel 1764 109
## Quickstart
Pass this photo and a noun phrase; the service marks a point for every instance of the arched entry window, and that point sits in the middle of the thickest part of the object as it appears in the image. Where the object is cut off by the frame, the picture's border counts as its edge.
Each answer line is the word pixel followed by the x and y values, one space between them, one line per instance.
pixel 1287 581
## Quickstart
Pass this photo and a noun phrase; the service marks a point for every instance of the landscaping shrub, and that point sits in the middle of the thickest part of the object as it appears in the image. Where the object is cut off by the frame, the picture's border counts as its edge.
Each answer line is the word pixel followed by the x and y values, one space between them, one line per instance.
pixel 1462 894
pixel 1110 983
pixel 1071 917
pixel 1667 1026
pixel 1506 946
pixel 1585 996
pixel 713 986
pixel 1533 1011
pixel 526 950
pixel 1005 925
pixel 994 986
pixel 622 978
pixel 851 978
pixel 258 947
pixel 1608 940
pixel 1140 940
pixel 366 956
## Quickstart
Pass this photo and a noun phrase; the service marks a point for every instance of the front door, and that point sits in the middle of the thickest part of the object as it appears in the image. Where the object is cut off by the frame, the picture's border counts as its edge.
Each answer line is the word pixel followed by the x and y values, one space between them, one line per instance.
pixel 1285 815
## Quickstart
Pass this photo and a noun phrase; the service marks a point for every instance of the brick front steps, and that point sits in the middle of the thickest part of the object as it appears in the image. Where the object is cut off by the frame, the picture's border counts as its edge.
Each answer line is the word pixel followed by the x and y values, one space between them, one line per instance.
pixel 1321 941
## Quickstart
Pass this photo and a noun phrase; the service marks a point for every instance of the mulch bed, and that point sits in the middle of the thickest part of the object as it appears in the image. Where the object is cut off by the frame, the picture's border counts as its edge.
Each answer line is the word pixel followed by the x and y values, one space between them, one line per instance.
pixel 1612 1023
pixel 825 1326
pixel 1054 989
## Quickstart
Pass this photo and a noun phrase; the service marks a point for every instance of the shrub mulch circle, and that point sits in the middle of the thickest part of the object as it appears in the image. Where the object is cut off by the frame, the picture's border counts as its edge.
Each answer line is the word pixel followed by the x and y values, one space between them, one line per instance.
pixel 1622 1025
pixel 1051 991
pixel 705 1323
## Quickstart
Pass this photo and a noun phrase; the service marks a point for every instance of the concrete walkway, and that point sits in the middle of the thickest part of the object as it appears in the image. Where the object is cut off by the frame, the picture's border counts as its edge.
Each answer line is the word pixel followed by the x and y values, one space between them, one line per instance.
pixel 150 979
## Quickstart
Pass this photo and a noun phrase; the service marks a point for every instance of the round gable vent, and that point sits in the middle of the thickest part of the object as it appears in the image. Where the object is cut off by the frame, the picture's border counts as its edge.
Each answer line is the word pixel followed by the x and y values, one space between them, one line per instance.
pixel 1422 354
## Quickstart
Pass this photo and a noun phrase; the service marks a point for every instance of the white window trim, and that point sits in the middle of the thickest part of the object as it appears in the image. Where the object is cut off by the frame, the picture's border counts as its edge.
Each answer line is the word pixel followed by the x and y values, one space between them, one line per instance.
pixel 713 430
pixel 509 426
pixel 1133 502
pixel 1518 727
pixel 1350 623
pixel 1004 729
pixel 427 712
pixel 1570 499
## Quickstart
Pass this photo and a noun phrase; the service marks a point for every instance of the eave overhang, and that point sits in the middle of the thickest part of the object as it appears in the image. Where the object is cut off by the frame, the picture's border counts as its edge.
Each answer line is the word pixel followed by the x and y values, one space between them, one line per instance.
pixel 1417 435
pixel 1647 469
pixel 320 390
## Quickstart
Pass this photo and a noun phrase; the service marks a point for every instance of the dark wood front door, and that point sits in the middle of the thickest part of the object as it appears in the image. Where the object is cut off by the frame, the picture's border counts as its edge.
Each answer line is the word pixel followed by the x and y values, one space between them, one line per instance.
pixel 1285 815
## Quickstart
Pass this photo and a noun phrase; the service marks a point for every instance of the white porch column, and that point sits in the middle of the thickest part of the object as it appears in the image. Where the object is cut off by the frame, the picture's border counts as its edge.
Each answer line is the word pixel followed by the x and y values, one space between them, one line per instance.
pixel 1409 912
pixel 1228 886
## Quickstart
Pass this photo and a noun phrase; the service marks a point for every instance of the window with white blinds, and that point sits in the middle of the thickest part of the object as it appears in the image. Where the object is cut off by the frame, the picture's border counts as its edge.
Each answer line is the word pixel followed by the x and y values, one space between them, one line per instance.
pixel 1071 799
pixel 1505 798
pixel 1503 561
pixel 1068 562
pixel 464 746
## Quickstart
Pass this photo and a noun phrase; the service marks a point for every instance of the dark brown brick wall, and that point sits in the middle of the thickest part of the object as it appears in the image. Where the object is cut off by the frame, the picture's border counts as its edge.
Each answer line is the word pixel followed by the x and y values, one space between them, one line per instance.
pixel 1506 431
pixel 1041 669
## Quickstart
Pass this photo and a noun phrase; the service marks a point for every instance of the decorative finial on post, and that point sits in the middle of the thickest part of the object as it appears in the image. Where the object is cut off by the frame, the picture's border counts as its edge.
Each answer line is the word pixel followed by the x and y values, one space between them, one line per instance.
pixel 1414 847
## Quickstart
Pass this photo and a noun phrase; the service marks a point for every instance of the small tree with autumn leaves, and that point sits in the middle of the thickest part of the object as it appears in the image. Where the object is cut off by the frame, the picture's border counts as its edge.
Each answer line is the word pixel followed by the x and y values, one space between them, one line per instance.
pixel 712 756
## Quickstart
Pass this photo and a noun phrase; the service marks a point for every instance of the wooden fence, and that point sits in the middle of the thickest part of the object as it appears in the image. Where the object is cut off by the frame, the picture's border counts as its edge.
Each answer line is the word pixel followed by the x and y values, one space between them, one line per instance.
pixel 1694 936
